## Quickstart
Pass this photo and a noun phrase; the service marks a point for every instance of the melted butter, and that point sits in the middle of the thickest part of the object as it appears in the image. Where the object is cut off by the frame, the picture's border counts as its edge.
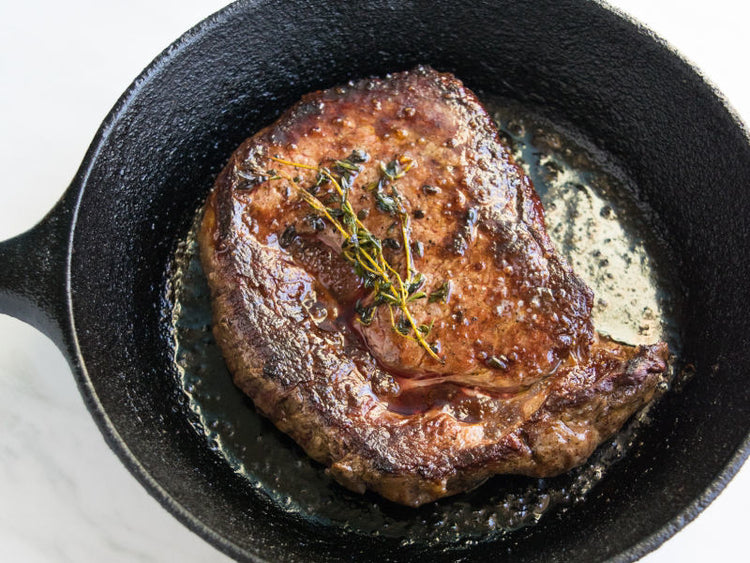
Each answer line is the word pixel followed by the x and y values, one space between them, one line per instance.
pixel 596 223
pixel 603 232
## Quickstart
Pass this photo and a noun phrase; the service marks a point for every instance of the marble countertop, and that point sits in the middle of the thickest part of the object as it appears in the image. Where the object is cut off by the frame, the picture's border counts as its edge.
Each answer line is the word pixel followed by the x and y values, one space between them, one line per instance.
pixel 64 495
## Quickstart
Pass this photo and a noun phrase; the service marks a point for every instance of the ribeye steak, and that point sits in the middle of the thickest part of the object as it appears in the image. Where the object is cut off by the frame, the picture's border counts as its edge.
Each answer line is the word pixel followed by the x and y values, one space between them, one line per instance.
pixel 501 370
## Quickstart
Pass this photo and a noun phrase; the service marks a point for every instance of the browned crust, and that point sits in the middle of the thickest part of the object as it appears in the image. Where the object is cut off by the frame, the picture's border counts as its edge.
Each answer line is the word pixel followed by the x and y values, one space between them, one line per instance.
pixel 324 398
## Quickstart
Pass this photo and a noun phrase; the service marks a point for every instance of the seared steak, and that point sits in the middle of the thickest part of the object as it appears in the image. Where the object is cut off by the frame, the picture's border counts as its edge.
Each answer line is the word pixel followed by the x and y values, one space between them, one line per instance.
pixel 505 373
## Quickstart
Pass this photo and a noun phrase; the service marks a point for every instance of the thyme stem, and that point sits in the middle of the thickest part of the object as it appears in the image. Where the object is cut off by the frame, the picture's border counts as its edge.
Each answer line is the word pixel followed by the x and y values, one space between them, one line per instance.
pixel 373 263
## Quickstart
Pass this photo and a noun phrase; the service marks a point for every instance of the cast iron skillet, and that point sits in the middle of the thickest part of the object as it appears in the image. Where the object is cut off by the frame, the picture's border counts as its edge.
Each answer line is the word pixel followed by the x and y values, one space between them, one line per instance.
pixel 92 274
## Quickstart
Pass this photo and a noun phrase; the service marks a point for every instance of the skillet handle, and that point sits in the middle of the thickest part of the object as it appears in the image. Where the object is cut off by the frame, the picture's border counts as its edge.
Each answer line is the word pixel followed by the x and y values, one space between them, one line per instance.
pixel 33 268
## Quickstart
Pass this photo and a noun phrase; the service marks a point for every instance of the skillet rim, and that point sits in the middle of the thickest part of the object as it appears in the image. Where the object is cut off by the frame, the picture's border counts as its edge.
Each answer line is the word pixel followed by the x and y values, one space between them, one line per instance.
pixel 72 350
pixel 115 441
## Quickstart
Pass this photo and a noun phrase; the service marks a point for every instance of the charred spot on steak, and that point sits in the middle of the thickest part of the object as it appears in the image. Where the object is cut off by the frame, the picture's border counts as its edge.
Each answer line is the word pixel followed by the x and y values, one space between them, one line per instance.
pixel 486 361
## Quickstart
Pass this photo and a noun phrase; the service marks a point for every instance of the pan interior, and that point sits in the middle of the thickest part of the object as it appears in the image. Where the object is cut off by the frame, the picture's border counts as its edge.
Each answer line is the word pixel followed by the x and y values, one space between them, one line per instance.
pixel 605 233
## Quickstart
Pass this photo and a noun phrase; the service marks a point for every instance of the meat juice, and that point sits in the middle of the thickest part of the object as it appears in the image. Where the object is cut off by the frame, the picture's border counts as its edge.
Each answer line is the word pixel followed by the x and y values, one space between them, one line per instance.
pixel 608 237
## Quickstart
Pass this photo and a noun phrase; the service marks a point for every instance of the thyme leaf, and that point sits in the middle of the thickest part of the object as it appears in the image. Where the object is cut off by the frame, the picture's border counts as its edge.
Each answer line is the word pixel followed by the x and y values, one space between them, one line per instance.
pixel 415 296
pixel 417 282
pixel 442 293
pixel 386 203
pixel 403 326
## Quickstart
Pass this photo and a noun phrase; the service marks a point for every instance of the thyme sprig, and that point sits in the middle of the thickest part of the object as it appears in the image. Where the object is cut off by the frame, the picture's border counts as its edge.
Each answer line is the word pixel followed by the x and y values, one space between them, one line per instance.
pixel 360 247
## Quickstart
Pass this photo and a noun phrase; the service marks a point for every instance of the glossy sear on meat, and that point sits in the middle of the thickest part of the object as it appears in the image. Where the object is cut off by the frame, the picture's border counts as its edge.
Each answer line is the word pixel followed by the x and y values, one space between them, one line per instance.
pixel 518 381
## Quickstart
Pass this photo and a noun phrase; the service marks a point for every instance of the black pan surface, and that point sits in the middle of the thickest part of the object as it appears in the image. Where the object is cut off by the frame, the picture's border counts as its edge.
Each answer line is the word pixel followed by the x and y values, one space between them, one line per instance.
pixel 128 219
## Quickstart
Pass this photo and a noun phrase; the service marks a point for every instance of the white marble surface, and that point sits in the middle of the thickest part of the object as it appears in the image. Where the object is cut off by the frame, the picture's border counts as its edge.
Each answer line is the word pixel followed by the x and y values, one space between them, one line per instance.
pixel 63 495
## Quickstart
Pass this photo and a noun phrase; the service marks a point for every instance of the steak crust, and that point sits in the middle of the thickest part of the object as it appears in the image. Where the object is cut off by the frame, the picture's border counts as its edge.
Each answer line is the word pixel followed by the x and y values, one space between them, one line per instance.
pixel 524 384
